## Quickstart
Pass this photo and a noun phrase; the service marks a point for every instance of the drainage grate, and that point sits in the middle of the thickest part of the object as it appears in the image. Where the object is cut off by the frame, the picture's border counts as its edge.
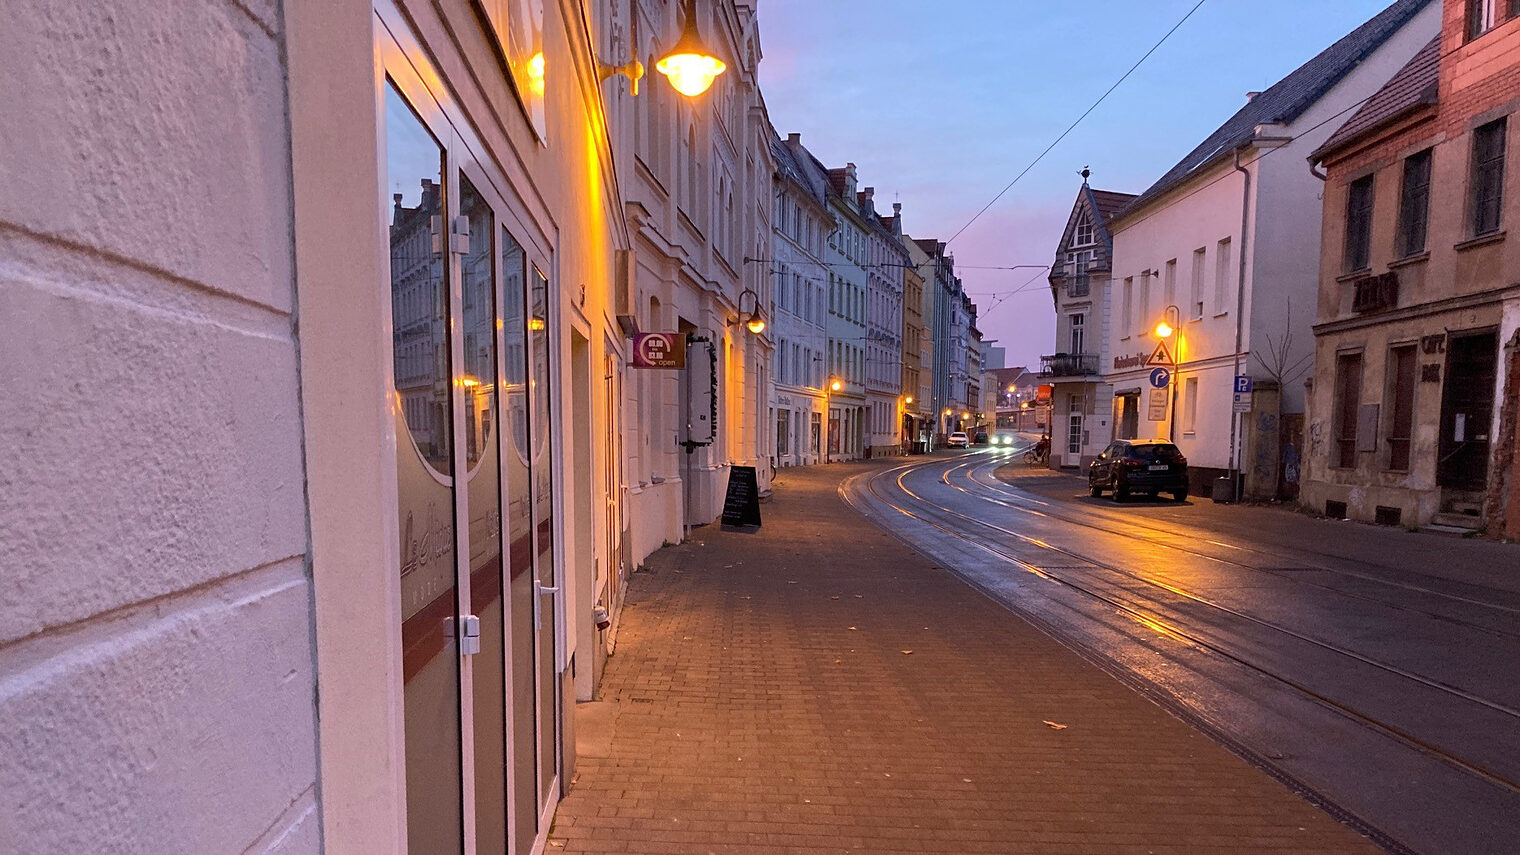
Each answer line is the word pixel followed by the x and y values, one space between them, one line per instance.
pixel 1384 515
pixel 1335 510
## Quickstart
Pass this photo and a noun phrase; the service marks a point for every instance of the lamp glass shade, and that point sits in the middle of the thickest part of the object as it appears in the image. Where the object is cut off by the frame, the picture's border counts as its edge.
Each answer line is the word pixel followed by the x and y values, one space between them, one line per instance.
pixel 836 385
pixel 1163 330
pixel 690 65
pixel 756 325
pixel 690 73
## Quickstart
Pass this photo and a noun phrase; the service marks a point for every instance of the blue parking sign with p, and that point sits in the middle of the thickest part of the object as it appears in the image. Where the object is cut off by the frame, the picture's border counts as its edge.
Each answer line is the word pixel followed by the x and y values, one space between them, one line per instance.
pixel 1243 384
pixel 1160 377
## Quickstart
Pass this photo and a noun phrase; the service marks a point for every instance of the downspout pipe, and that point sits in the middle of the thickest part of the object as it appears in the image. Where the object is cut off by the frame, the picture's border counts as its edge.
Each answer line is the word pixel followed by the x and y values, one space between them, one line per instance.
pixel 1236 438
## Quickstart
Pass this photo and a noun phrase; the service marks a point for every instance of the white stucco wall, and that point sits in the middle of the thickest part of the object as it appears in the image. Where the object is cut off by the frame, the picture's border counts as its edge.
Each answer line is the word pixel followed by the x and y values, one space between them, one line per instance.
pixel 1282 259
pixel 1283 291
pixel 156 674
pixel 1209 213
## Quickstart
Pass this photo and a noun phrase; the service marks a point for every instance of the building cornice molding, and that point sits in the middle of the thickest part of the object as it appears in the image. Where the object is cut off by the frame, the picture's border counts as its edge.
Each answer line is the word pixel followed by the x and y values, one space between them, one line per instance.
pixel 1419 310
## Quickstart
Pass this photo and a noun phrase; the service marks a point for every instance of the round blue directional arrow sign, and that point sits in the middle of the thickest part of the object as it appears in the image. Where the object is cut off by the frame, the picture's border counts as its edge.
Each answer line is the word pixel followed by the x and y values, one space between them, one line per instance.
pixel 1160 377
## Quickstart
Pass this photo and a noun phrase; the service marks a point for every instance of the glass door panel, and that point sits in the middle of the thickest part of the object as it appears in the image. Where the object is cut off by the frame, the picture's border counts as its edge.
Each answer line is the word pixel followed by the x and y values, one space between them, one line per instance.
pixel 422 408
pixel 543 528
pixel 522 584
pixel 478 386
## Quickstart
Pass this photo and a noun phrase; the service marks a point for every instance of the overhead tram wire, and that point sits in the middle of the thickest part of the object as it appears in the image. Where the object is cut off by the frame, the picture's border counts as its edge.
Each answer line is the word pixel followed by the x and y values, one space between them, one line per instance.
pixel 1078 121
pixel 885 264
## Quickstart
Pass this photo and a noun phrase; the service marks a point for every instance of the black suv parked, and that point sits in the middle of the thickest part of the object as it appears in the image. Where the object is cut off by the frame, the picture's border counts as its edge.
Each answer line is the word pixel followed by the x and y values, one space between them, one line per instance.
pixel 1139 466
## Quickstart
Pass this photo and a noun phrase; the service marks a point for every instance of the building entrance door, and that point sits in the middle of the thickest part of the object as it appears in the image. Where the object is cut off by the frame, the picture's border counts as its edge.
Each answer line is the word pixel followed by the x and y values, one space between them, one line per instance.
pixel 1129 416
pixel 470 395
pixel 1073 444
pixel 1467 406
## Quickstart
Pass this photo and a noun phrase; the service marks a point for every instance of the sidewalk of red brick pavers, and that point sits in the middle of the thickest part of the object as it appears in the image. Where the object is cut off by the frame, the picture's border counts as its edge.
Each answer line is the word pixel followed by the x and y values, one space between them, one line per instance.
pixel 817 686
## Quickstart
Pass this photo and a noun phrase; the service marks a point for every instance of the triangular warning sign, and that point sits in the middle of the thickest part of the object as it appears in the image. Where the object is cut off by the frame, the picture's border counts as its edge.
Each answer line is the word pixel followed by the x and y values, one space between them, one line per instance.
pixel 1160 356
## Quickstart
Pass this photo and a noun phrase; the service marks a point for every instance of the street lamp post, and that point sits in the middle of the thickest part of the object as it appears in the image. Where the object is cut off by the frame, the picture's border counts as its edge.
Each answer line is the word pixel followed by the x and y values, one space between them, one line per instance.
pixel 1171 325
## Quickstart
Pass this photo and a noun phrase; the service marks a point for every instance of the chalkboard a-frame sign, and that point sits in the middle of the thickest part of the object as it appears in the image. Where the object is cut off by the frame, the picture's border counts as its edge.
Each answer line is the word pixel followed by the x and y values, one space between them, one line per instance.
pixel 741 506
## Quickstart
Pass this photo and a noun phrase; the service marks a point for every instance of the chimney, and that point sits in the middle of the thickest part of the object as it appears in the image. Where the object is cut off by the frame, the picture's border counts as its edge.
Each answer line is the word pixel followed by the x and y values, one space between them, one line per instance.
pixel 794 139
pixel 1251 96
pixel 897 209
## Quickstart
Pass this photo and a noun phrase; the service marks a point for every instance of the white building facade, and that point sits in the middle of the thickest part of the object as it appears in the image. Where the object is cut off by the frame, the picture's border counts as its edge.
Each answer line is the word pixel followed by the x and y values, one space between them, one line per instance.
pixel 696 181
pixel 338 585
pixel 1230 237
pixel 802 226
pixel 1079 399
pixel 848 255
pixel 885 259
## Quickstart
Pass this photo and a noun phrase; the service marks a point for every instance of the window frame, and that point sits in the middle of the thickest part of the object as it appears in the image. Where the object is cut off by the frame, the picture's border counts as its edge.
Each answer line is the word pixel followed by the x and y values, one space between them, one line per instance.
pixel 1481 16
pixel 1357 240
pixel 1401 446
pixel 1414 201
pixel 1344 415
pixel 1487 173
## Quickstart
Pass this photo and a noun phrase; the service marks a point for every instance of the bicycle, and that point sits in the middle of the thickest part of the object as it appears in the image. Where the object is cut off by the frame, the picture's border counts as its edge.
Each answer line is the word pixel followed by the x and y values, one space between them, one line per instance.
pixel 1037 456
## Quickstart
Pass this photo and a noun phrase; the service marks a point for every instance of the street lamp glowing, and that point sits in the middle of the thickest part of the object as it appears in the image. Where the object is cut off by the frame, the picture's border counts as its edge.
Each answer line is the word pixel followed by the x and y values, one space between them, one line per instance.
pixel 690 65
pixel 908 400
pixel 836 385
pixel 756 325
pixel 948 411
pixel 1164 330
pixel 965 415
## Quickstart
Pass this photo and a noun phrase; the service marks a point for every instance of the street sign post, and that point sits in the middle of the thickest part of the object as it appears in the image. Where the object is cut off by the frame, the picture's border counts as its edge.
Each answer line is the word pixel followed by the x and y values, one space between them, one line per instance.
pixel 1157 409
pixel 1161 356
pixel 1244 389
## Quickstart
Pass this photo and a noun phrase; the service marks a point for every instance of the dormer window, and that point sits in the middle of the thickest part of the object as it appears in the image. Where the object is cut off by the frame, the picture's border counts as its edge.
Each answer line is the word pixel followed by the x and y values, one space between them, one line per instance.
pixel 1084 234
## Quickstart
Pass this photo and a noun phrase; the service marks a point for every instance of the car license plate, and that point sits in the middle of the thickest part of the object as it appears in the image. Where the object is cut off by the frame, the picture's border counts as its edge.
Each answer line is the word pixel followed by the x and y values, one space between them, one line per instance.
pixel 1158 467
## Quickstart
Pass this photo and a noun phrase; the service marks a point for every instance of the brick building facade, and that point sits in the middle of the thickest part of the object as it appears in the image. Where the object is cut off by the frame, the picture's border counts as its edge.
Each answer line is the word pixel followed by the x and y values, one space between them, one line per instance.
pixel 1412 411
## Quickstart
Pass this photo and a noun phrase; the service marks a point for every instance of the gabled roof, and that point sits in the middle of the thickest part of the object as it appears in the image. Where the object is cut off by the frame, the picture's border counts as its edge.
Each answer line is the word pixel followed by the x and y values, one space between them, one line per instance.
pixel 1287 99
pixel 1104 204
pixel 806 173
pixel 1416 85
pixel 1108 203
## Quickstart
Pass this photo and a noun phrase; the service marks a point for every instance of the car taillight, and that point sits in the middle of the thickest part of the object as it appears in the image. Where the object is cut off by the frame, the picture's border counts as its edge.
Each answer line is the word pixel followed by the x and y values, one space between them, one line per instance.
pixel 1131 462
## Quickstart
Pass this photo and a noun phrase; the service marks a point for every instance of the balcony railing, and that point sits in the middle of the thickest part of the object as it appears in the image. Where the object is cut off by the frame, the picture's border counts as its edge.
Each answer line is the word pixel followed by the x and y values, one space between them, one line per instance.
pixel 1069 365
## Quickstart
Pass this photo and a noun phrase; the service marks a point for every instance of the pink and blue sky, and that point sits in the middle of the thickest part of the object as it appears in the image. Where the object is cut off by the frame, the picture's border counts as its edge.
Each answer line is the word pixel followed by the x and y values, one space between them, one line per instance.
pixel 940 104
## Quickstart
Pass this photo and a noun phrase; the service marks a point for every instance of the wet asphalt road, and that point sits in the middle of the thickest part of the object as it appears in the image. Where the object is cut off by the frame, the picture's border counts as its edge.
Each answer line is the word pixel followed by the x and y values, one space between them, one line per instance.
pixel 1374 670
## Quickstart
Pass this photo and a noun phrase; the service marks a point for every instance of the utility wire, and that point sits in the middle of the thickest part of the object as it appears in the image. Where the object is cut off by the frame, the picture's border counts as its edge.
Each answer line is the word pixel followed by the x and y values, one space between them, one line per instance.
pixel 1073 125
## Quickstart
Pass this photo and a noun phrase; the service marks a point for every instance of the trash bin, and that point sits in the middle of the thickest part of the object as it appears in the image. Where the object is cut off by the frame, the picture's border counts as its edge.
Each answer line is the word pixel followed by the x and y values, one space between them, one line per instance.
pixel 1224 490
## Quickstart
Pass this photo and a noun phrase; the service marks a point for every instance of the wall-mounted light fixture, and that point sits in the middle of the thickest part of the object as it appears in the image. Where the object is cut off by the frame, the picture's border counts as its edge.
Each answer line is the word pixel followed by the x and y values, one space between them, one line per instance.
pixel 754 319
pixel 690 65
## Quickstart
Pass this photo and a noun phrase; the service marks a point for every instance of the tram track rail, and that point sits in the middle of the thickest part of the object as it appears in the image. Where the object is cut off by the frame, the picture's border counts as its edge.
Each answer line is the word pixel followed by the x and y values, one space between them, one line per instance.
pixel 1151 617
pixel 1276 572
pixel 1019 502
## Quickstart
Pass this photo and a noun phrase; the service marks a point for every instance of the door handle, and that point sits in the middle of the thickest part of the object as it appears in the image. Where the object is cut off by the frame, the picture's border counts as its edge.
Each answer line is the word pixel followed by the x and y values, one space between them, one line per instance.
pixel 469 633
pixel 545 589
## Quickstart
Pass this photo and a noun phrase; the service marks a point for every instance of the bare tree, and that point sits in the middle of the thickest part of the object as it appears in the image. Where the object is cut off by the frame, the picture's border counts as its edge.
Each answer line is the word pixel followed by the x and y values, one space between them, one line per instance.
pixel 1280 366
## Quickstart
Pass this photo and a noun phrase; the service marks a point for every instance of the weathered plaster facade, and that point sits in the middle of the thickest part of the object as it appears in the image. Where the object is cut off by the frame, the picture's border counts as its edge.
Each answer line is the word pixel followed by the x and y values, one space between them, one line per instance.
pixel 1451 312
